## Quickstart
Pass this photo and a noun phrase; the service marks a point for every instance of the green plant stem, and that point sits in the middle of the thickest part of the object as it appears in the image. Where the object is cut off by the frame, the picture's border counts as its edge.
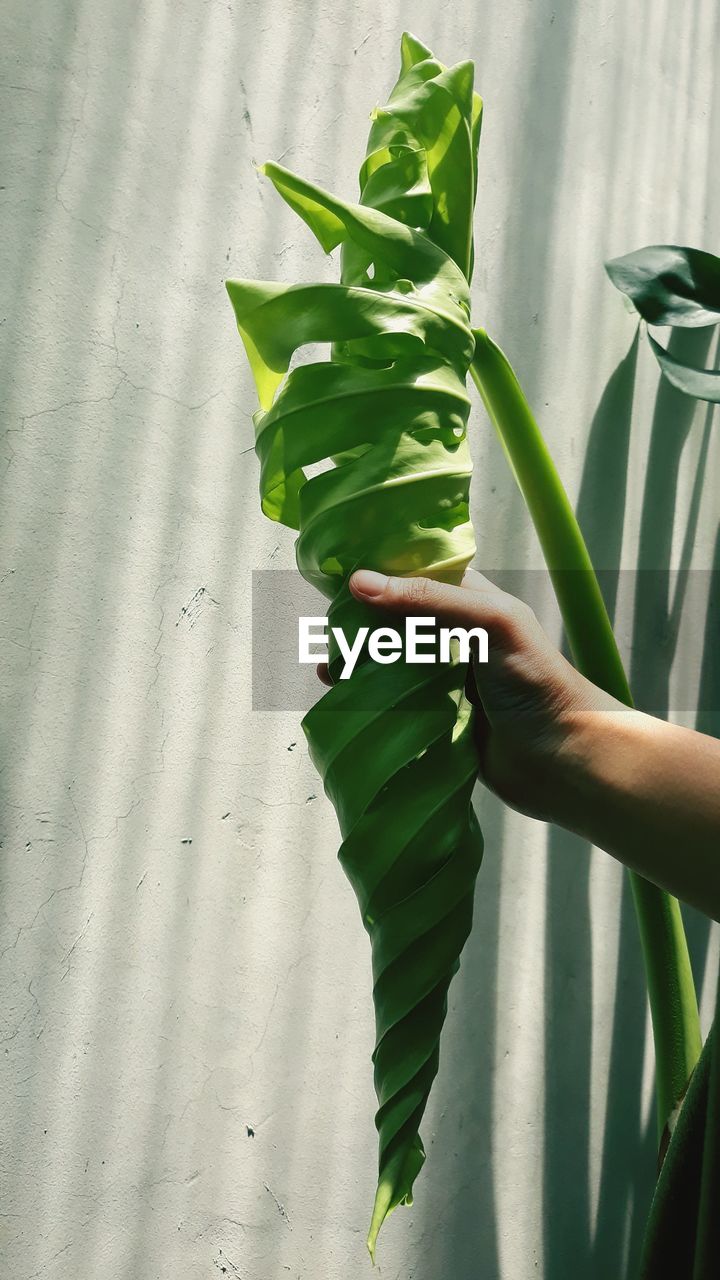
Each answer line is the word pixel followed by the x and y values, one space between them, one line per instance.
pixel 673 1002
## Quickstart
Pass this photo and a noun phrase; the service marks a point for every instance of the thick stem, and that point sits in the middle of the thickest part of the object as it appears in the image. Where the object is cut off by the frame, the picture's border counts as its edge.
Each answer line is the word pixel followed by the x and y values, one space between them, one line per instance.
pixel 673 1003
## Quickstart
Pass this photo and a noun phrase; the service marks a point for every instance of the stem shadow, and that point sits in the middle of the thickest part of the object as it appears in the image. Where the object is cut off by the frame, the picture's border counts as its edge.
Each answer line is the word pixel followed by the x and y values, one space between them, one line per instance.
pixel 568 953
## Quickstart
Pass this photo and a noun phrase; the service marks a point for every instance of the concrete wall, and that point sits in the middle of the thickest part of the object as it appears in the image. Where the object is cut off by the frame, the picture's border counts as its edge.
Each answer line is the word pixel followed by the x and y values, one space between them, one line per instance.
pixel 185 1017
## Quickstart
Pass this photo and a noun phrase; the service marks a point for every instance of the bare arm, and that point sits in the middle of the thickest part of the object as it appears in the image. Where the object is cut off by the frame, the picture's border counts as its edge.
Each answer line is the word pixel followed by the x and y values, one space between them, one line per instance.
pixel 649 793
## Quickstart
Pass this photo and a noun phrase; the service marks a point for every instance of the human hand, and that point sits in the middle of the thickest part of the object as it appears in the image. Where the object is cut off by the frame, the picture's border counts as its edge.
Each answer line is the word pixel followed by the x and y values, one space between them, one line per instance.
pixel 554 746
pixel 528 697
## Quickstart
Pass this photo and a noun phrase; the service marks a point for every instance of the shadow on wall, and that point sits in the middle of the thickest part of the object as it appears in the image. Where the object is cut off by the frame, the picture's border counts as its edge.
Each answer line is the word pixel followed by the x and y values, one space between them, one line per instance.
pixel 567 1211
pixel 628 1164
pixel 109 444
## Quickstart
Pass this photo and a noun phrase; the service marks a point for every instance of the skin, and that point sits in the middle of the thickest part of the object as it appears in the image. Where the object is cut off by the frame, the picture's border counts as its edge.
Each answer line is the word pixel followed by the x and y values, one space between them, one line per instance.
pixel 555 747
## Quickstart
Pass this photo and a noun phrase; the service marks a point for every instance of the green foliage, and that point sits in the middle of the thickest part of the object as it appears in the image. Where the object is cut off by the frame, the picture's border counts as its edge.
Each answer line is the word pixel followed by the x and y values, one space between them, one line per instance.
pixel 394 743
pixel 389 410
pixel 682 1234
pixel 680 287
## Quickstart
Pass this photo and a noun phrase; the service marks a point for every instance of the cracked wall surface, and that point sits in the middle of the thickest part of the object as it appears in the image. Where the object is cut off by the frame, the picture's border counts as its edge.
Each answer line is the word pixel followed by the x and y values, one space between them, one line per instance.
pixel 185 1011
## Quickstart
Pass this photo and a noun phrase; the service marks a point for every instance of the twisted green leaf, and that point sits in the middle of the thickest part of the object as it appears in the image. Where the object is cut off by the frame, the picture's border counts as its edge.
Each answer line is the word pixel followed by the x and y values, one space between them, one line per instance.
pixel 389 409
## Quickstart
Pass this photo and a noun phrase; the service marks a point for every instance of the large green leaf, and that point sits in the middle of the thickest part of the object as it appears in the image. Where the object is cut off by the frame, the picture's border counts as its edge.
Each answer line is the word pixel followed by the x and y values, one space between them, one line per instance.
pixel 672 285
pixel 394 744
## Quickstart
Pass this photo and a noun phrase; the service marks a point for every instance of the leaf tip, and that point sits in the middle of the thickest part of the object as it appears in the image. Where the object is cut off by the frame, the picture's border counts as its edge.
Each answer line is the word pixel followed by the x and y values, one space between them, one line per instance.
pixel 412 51
pixel 611 267
pixel 381 1208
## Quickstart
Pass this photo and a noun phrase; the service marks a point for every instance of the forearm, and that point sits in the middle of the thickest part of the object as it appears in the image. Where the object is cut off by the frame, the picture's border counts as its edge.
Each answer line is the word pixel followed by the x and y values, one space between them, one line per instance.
pixel 648 793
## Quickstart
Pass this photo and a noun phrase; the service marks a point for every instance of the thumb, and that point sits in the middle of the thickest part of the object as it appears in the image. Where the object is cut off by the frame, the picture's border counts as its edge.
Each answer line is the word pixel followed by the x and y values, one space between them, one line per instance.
pixel 476 602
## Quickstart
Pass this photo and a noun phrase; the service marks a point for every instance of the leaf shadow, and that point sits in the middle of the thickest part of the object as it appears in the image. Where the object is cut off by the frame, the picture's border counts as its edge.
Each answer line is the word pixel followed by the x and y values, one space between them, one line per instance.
pixel 629 1145
pixel 567 1210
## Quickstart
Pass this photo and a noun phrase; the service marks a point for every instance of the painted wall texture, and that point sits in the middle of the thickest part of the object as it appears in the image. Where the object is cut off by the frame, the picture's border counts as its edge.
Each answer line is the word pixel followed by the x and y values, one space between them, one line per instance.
pixel 185 1012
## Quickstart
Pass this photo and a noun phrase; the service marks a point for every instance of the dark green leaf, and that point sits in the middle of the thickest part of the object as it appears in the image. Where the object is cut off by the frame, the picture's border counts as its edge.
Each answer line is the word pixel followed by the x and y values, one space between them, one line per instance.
pixel 672 285
pixel 669 284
